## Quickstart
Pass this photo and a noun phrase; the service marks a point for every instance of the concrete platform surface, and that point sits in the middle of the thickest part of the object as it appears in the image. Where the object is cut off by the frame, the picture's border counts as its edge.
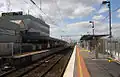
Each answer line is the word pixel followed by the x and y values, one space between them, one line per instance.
pixel 100 67
pixel 84 64
pixel 76 66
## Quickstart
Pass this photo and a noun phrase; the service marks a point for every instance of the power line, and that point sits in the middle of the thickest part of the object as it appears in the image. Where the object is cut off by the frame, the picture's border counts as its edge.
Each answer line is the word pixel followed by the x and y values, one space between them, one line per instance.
pixel 96 12
pixel 37 5
pixel 104 18
pixel 40 4
pixel 116 9
pixel 108 14
pixel 42 11
pixel 100 7
pixel 59 10
pixel 49 18
pixel 33 2
pixel 30 10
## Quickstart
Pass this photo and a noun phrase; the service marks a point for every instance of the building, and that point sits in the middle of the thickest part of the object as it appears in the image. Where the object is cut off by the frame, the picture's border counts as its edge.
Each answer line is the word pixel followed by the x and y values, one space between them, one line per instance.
pixel 14 26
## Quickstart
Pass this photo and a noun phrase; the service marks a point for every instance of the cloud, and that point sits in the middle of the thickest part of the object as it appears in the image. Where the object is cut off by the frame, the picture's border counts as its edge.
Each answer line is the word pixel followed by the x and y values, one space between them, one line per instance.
pixel 68 9
pixel 103 9
pixel 1 5
pixel 116 29
pixel 118 11
pixel 81 28
pixel 118 15
pixel 82 24
pixel 98 17
pixel 82 11
pixel 84 27
pixel 103 28
pixel 71 29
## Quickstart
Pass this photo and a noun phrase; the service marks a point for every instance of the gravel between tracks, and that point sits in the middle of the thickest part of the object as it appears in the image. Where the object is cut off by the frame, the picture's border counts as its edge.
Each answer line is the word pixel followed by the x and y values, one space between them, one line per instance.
pixel 54 68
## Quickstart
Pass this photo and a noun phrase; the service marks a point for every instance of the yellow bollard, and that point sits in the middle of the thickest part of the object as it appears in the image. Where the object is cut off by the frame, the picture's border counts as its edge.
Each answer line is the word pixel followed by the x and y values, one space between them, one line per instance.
pixel 109 61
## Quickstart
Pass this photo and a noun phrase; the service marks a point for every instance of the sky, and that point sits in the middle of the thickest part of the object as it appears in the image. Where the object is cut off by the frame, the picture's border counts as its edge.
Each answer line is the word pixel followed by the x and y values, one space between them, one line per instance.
pixel 70 17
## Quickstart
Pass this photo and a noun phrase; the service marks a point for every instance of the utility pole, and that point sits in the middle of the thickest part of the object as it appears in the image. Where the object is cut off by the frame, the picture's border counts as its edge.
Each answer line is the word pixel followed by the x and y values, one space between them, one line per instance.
pixel 40 4
pixel 8 5
pixel 109 5
pixel 110 21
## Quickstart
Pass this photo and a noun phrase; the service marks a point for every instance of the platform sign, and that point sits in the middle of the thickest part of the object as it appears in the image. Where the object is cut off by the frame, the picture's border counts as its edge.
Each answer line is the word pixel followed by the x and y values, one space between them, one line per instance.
pixel 12 13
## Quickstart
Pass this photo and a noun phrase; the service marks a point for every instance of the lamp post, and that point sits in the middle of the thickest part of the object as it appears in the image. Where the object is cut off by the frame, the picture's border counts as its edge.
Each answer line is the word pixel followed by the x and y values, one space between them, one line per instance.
pixel 110 32
pixel 92 28
pixel 109 6
pixel 94 40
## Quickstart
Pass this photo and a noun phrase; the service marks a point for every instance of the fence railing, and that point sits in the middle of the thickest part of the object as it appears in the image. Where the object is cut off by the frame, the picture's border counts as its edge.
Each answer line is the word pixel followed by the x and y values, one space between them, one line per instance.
pixel 10 49
pixel 108 48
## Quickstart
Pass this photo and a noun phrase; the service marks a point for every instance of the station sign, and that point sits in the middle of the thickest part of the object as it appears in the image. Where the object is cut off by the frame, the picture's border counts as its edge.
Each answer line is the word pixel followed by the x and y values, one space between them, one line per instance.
pixel 12 13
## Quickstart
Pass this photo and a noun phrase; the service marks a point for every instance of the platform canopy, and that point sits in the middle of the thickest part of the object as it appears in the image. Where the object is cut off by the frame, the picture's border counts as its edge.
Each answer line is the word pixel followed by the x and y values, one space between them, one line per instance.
pixel 90 37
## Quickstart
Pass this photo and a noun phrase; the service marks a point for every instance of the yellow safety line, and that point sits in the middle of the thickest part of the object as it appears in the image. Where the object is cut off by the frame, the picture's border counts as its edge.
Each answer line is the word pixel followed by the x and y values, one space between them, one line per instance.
pixel 83 49
pixel 79 64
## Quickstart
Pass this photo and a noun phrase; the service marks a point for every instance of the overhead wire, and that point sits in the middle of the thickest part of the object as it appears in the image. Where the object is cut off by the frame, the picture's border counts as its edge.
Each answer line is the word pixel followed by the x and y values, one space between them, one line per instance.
pixel 108 14
pixel 116 9
pixel 43 12
pixel 40 4
pixel 61 17
pixel 96 12
pixel 102 20
pixel 30 10
pixel 106 17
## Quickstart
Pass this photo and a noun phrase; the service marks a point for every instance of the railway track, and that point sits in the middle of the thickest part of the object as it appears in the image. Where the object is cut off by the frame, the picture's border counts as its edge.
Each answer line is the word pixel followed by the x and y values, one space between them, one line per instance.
pixel 13 71
pixel 58 69
pixel 53 68
pixel 46 67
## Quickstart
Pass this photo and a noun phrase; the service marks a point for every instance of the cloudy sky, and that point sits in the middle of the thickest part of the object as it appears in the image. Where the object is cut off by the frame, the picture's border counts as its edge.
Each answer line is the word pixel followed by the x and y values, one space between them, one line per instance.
pixel 69 17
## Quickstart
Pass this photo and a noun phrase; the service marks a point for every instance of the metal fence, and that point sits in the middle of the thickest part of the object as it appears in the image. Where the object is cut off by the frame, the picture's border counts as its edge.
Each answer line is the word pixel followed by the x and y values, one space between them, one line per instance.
pixel 106 48
pixel 6 48
pixel 10 49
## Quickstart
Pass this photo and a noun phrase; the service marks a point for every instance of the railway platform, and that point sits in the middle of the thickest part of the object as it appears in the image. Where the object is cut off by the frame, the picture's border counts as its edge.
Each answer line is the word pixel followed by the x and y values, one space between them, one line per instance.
pixel 83 64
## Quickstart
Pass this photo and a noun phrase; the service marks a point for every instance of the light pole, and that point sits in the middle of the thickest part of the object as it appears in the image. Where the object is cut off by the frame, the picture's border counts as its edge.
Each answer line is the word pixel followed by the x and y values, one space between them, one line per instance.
pixel 92 28
pixel 110 32
pixel 94 40
pixel 61 37
pixel 109 6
